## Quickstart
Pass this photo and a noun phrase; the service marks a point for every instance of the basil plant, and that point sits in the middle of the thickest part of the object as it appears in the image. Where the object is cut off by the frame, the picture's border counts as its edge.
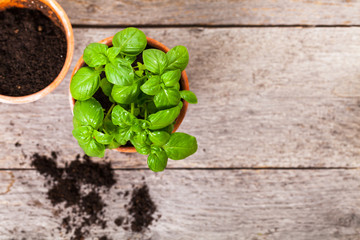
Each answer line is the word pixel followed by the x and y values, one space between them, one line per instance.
pixel 145 95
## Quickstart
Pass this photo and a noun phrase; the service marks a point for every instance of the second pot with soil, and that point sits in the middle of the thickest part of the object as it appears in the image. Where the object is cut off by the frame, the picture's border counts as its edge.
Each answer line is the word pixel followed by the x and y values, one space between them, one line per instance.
pixel 37 45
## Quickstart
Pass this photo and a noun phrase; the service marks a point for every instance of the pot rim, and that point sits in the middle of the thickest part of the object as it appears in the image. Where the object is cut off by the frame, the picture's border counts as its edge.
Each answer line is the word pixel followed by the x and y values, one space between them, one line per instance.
pixel 184 82
pixel 66 25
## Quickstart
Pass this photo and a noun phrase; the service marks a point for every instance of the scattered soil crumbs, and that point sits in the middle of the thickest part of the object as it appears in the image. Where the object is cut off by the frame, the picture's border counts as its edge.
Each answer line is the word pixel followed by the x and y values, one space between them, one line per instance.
pixel 119 221
pixel 78 185
pixel 76 190
pixel 104 238
pixel 32 51
pixel 141 209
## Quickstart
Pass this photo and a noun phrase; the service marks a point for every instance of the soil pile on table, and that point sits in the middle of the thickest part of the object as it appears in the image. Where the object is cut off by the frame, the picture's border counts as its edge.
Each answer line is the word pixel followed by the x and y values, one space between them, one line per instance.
pixel 32 51
pixel 78 186
pixel 141 209
pixel 77 190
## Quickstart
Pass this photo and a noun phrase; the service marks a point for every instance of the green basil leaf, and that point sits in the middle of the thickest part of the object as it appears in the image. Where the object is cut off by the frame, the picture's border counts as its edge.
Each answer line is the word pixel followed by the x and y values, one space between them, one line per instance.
pixel 123 135
pixel 76 123
pixel 151 108
pixel 144 98
pixel 119 72
pixel 144 124
pixel 102 137
pixel 170 78
pixel 164 118
pixel 157 159
pixel 85 83
pixel 178 58
pixel 140 143
pixel 177 86
pixel 130 59
pixel 106 86
pixel 139 73
pixel 141 68
pixel 169 129
pixel 113 52
pixel 180 146
pixel 113 144
pixel 137 126
pixel 109 127
pixel 136 111
pixel 121 117
pixel 92 148
pixel 126 94
pixel 166 98
pixel 131 41
pixel 155 60
pixel 159 138
pixel 142 149
pixel 89 113
pixel 87 143
pixel 142 137
pixel 83 134
pixel 151 86
pixel 95 54
pixel 189 96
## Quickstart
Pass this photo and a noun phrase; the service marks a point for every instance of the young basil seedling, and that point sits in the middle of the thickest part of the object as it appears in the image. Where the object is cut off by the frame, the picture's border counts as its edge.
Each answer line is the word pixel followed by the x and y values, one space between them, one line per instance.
pixel 146 99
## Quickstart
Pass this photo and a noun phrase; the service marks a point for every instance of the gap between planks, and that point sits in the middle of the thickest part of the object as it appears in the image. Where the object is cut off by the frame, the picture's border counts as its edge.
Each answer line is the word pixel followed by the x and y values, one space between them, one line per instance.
pixel 214 26
pixel 217 169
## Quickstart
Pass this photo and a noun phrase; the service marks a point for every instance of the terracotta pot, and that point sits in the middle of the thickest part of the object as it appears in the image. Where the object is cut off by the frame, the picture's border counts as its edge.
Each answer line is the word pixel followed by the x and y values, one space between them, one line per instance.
pixel 184 83
pixel 55 12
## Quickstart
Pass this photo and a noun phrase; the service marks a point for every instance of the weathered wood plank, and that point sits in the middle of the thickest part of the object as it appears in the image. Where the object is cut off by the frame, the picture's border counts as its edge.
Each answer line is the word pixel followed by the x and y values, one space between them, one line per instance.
pixel 212 12
pixel 267 98
pixel 204 205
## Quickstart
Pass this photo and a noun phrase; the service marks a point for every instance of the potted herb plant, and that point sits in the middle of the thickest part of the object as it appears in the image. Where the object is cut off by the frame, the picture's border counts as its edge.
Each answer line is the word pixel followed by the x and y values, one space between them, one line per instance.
pixel 37 45
pixel 143 87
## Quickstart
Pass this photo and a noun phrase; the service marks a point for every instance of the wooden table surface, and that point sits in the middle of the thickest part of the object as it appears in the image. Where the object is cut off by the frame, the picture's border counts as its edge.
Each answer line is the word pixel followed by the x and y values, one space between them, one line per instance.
pixel 277 123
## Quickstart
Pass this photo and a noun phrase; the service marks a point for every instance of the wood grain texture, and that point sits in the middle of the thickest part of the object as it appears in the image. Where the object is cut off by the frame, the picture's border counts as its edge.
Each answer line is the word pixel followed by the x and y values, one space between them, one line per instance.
pixel 212 12
pixel 267 98
pixel 212 205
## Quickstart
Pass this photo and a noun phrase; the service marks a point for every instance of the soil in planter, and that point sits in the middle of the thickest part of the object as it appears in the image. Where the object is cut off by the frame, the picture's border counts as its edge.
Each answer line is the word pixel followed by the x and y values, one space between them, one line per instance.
pixel 32 51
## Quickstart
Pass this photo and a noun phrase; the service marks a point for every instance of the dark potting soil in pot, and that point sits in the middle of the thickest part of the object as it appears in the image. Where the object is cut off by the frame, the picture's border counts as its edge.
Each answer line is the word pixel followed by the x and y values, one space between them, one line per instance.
pixel 32 51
